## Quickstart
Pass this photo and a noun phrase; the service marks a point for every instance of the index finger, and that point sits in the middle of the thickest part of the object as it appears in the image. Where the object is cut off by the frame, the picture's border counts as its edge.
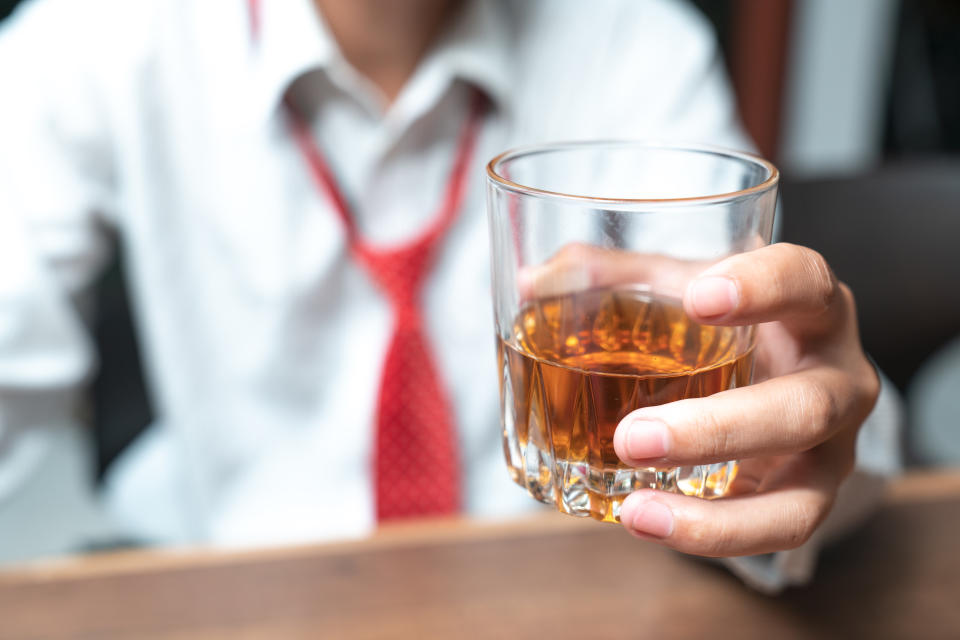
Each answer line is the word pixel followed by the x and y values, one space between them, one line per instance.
pixel 783 281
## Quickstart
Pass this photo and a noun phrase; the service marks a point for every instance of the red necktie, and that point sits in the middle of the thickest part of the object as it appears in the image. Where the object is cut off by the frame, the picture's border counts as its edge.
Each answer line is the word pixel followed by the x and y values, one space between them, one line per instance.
pixel 415 466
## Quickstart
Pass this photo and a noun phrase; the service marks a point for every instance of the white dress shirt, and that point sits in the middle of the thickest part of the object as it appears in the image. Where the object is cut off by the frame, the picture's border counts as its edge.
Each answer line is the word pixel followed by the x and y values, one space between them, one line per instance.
pixel 262 339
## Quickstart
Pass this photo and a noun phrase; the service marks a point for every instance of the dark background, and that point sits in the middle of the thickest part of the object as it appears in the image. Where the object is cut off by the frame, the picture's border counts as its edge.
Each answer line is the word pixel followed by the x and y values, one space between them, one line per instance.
pixel 890 231
pixel 923 103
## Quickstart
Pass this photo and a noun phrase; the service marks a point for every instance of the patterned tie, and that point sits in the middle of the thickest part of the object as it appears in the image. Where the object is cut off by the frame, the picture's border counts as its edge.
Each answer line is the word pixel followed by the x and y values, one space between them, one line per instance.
pixel 415 466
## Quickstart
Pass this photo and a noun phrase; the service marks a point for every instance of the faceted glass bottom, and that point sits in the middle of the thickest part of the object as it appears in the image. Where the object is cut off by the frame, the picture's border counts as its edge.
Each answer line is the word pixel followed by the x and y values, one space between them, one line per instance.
pixel 579 490
pixel 573 366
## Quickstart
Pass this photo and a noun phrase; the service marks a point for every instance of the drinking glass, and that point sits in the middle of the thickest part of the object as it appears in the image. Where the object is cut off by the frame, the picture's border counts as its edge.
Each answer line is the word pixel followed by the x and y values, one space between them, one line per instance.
pixel 593 245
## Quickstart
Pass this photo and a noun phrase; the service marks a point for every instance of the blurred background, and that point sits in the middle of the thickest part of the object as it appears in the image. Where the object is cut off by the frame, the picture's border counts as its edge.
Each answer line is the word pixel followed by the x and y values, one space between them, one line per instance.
pixel 858 103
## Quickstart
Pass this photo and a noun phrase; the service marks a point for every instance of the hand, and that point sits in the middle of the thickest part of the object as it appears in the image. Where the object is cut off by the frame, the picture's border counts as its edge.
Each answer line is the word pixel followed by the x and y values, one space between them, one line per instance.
pixel 795 430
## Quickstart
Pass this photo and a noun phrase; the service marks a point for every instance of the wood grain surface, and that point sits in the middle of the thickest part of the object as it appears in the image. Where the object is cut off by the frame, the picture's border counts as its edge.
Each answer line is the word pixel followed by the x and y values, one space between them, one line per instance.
pixel 552 577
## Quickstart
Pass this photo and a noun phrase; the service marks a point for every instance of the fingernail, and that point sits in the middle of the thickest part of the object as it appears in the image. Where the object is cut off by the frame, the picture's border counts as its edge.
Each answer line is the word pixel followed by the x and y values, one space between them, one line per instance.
pixel 645 439
pixel 713 296
pixel 645 515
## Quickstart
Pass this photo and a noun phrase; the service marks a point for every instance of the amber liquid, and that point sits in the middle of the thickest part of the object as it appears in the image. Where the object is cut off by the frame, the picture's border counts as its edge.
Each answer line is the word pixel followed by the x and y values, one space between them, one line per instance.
pixel 575 365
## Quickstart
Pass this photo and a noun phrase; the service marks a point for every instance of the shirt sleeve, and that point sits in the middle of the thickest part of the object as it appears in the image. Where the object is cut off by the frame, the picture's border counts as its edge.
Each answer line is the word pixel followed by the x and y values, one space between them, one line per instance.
pixel 56 188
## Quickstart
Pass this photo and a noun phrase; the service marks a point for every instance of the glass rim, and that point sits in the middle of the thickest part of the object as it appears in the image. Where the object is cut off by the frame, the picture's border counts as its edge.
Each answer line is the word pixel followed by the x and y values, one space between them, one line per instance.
pixel 495 177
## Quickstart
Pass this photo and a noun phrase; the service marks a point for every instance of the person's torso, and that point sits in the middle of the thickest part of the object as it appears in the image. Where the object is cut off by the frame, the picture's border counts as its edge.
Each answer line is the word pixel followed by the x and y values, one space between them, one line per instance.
pixel 263 338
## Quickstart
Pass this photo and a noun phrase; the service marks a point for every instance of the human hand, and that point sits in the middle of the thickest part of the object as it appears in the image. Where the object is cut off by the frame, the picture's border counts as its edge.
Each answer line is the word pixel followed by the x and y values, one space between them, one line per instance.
pixel 794 430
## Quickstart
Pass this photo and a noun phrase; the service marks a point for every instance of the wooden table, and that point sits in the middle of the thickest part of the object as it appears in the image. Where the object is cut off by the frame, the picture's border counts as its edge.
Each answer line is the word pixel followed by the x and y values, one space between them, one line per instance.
pixel 551 577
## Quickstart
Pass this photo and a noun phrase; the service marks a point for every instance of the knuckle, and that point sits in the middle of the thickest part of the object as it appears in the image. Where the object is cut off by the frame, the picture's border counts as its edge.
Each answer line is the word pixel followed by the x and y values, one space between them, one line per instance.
pixel 848 463
pixel 799 532
pixel 802 518
pixel 846 293
pixel 819 411
pixel 824 283
pixel 707 437
pixel 870 386
pixel 710 538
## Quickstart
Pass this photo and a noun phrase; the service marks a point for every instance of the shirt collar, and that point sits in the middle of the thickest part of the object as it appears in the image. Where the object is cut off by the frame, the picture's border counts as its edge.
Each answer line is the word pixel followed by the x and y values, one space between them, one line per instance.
pixel 289 40
pixel 477 48
pixel 292 39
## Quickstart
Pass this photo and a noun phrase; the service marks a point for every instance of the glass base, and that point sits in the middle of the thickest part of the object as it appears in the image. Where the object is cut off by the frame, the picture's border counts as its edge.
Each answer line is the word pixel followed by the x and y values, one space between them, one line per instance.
pixel 578 489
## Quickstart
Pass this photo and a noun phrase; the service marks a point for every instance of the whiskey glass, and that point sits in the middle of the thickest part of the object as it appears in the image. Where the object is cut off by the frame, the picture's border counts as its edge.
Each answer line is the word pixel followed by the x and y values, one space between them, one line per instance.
pixel 593 245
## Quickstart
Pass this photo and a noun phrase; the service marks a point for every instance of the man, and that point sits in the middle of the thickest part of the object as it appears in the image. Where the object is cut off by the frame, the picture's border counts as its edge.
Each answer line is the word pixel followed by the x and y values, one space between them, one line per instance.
pixel 194 130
